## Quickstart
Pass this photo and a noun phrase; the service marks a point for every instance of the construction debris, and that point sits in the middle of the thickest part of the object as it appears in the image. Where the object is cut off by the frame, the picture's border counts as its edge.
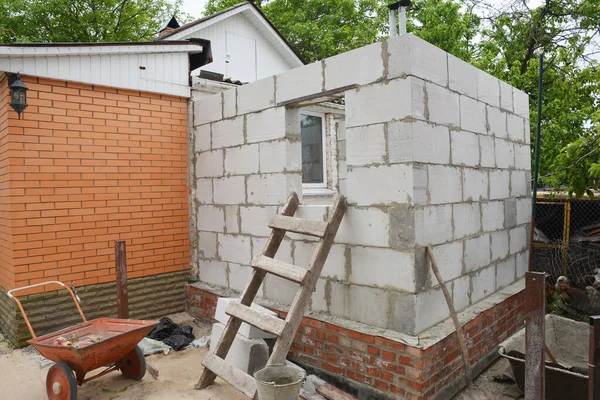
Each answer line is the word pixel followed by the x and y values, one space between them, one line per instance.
pixel 315 388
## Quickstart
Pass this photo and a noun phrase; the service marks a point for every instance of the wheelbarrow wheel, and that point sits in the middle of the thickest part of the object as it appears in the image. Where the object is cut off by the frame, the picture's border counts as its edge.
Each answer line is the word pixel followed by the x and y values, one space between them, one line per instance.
pixel 133 366
pixel 61 383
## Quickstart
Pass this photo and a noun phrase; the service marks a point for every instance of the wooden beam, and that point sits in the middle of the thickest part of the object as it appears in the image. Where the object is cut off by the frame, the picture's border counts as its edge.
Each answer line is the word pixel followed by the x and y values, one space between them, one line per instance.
pixel 284 270
pixel 299 225
pixel 535 335
pixel 265 322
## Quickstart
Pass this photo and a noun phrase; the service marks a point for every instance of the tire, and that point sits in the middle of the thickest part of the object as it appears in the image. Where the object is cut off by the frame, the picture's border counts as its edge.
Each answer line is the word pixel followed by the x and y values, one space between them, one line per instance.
pixel 133 366
pixel 61 383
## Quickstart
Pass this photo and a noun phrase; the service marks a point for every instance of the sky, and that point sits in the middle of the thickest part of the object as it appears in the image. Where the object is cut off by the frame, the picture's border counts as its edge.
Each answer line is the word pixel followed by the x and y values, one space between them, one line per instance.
pixel 194 7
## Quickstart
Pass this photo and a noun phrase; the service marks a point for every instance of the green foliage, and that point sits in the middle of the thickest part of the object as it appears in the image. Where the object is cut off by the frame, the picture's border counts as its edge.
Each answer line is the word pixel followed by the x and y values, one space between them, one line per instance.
pixel 576 165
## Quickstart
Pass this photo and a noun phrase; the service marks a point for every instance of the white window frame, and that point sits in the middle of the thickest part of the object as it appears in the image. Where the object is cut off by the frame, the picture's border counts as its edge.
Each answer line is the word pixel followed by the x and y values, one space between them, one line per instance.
pixel 318 187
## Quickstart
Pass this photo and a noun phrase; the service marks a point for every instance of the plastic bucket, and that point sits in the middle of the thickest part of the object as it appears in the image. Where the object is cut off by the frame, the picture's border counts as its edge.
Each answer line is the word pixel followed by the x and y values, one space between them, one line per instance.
pixel 279 382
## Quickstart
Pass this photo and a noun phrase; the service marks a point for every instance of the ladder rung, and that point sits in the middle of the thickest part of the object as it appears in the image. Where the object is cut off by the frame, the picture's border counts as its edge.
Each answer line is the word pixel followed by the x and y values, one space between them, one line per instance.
pixel 234 376
pixel 279 268
pixel 265 322
pixel 299 225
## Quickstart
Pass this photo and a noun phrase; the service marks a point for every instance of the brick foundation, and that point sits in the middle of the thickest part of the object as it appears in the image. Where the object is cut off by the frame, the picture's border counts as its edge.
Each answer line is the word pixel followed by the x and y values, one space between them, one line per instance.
pixel 373 366
pixel 149 298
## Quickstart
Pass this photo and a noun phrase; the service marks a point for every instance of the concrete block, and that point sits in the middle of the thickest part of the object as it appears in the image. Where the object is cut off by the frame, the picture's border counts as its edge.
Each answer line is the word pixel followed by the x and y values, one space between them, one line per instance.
pixel 394 100
pixel 522 263
pixel 443 105
pixel 212 272
pixel 505 272
pixel 209 164
pixel 527 132
pixel 487 151
pixel 461 292
pixel 266 125
pixel 402 227
pixel 420 194
pixel 483 283
pixel 410 55
pixel 235 248
pixel 488 89
pixel 208 109
pixel 248 355
pixel 368 305
pixel 492 215
pixel 255 220
pixel 433 225
pixel 523 211
pixel 358 221
pixel 227 133
pixel 270 189
pixel 496 122
pixel 300 82
pixel 211 218
pixel 445 184
pixel 521 103
pixel 506 96
pixel 418 141
pixel 248 331
pixel 477 252
pixel 450 259
pixel 499 184
pixel 510 213
pixel 202 138
pixel 365 145
pixel 230 190
pixel 430 309
pixel 505 154
pixel 461 76
pixel 230 103
pixel 516 127
pixel 522 157
pixel 519 183
pixel 335 266
pixel 475 184
pixel 318 301
pixel 232 216
pixel 241 160
pixel 280 156
pixel 518 239
pixel 467 219
pixel 365 185
pixel 309 211
pixel 256 96
pixel 465 148
pixel 207 244
pixel 239 276
pixel 204 191
pixel 383 268
pixel 499 245
pixel 361 66
pixel 472 115
pixel 280 290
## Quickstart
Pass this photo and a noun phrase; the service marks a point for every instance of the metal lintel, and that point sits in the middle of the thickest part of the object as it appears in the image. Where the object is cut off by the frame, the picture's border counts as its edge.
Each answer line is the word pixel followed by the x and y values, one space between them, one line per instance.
pixel 317 97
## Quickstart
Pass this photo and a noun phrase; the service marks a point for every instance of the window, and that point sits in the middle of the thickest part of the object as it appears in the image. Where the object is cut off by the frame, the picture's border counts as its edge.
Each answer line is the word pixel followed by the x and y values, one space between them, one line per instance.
pixel 314 166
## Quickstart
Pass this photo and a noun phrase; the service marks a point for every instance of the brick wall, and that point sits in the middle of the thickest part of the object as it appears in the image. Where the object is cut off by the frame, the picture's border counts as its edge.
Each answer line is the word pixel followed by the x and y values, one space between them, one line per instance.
pixel 90 165
pixel 6 272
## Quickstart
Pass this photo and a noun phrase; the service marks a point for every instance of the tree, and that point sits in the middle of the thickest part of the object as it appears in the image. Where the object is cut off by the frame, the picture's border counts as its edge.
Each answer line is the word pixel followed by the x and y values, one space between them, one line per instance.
pixel 84 20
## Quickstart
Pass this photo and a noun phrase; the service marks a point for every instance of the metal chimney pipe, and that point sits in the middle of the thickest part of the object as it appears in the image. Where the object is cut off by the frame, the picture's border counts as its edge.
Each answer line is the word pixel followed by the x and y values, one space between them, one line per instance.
pixel 401 7
pixel 402 18
pixel 393 29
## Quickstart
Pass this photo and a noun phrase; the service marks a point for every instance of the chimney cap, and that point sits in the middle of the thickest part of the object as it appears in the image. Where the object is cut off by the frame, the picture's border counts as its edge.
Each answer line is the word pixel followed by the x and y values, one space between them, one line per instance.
pixel 398 4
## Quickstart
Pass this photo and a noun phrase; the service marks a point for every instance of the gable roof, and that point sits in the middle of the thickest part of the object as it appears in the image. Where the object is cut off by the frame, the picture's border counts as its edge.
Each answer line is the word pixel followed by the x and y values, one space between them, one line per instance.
pixel 255 16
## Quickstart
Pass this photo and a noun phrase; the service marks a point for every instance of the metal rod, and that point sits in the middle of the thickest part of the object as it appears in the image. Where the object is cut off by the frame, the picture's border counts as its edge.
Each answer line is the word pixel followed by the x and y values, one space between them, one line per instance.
pixel 536 164
pixel 393 28
pixel 535 335
pixel 121 268
pixel 402 15
pixel 594 360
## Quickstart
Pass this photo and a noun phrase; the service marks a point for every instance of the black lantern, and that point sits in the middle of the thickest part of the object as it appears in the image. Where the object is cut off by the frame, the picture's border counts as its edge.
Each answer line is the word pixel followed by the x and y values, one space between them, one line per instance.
pixel 18 94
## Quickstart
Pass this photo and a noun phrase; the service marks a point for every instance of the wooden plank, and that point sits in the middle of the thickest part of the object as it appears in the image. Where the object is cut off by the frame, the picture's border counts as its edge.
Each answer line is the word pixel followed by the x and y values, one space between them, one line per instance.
pixel 299 225
pixel 594 360
pixel 279 268
pixel 265 322
pixel 306 395
pixel 235 377
pixel 535 335
pixel 328 391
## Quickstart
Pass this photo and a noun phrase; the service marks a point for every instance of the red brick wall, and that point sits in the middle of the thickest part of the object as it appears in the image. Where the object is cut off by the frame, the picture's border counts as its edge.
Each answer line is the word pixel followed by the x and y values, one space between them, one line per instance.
pixel 90 165
pixel 386 365
pixel 6 271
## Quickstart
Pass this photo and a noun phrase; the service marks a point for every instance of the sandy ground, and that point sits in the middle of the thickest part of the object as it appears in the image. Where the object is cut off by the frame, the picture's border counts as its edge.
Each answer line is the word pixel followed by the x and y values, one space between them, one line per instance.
pixel 485 387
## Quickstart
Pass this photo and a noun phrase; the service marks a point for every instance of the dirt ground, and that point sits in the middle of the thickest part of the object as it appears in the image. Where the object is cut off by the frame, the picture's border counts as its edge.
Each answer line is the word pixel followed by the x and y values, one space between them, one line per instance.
pixel 488 388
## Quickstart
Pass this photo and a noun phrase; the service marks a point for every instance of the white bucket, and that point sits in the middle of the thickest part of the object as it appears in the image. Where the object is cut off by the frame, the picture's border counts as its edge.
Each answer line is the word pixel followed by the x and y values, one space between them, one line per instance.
pixel 279 382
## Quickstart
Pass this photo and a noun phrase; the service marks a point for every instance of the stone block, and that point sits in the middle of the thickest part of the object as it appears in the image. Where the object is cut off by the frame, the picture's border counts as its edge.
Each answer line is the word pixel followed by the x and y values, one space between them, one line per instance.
pixel 207 244
pixel 410 55
pixel 235 248
pixel 475 184
pixel 461 292
pixel 483 283
pixel 239 276
pixel 270 189
pixel 368 305
pixel 499 184
pixel 506 96
pixel 492 215
pixel 204 191
pixel 430 309
pixel 230 103
pixel 418 141
pixel 496 122
pixel 465 148
pixel 335 265
pixel 499 245
pixel 365 145
pixel 255 220
pixel 510 213
pixel 300 82
pixel 518 239
pixel 209 164
pixel 211 218
pixel 360 66
pixel 247 331
pixel 256 96
pixel 505 272
pixel 443 105
pixel 227 133
pixel 521 103
pixel 241 160
pixel 516 127
pixel 280 156
pixel 488 89
pixel 461 76
pixel 449 257
pixel 522 157
pixel 402 227
pixel 472 115
pixel 487 151
pixel 519 183
pixel 358 221
pixel 212 272
pixel 247 355
pixel 522 263
pixel 202 138
pixel 366 185
pixel 523 211
pixel 232 216
pixel 208 109
pixel 467 219
pixel 230 190
pixel 477 252
pixel 433 225
pixel 445 184
pixel 267 125
pixel 373 266
pixel 505 154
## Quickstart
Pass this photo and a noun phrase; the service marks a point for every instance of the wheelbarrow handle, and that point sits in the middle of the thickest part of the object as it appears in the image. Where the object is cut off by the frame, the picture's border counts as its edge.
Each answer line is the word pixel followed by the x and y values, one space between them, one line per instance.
pixel 16 300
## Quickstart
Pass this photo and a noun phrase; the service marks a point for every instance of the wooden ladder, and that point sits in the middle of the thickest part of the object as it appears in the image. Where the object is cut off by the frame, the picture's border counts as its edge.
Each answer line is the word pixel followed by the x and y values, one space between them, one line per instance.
pixel 285 330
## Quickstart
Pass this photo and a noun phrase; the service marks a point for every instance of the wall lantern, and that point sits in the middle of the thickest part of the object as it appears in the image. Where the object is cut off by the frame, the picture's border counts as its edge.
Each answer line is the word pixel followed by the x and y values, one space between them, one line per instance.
pixel 18 94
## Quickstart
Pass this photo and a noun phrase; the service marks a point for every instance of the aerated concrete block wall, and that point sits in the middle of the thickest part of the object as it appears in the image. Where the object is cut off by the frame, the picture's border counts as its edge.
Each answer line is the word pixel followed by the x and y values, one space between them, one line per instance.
pixel 436 154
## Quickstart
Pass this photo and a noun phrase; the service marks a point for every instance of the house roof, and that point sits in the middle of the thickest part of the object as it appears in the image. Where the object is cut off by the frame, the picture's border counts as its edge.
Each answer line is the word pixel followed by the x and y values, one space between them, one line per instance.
pixel 256 17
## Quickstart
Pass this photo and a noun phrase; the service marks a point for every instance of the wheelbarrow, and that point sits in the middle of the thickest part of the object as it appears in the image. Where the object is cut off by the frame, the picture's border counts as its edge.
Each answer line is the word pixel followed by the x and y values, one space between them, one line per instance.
pixel 102 342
